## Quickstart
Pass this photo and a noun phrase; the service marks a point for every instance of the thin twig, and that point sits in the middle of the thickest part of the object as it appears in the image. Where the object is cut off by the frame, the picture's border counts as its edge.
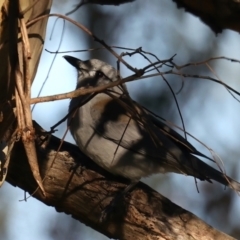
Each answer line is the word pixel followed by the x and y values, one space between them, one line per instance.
pixel 86 30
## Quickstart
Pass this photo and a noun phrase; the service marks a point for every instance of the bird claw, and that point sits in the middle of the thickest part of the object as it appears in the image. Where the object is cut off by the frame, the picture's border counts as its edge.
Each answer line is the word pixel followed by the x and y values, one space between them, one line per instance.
pixel 106 212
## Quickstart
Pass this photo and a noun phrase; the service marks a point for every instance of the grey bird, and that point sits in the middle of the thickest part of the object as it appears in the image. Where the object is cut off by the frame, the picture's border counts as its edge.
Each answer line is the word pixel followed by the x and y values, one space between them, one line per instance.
pixel 124 138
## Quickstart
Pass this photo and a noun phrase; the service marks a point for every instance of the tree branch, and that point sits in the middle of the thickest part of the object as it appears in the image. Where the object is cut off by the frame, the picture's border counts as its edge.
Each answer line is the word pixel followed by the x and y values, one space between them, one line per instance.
pixel 217 14
pixel 77 186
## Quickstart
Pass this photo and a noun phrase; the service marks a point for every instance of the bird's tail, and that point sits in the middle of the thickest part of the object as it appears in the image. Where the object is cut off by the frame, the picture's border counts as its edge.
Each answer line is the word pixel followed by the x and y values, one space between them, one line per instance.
pixel 203 171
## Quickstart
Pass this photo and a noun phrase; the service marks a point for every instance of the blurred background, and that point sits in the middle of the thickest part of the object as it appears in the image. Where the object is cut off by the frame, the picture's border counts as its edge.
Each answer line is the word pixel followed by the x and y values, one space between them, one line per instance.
pixel 210 113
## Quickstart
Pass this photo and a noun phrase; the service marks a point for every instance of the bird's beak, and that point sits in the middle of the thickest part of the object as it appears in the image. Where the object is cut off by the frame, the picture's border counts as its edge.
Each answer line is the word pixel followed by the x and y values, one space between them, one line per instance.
pixel 73 61
pixel 76 63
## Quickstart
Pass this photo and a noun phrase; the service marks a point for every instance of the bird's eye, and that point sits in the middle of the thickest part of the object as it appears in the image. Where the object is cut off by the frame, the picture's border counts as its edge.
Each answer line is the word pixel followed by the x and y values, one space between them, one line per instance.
pixel 99 74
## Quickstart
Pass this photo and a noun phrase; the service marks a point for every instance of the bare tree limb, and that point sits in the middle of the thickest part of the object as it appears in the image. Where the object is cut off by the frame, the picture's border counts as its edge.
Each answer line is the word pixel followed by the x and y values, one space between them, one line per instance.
pixel 101 2
pixel 217 14
pixel 77 186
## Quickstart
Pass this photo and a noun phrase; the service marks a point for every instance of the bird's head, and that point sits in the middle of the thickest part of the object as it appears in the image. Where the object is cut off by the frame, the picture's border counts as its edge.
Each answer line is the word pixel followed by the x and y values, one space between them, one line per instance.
pixel 93 72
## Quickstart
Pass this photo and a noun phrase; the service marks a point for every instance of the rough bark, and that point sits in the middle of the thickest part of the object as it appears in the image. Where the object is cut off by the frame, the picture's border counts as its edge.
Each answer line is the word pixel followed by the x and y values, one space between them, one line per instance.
pixel 77 186
pixel 36 34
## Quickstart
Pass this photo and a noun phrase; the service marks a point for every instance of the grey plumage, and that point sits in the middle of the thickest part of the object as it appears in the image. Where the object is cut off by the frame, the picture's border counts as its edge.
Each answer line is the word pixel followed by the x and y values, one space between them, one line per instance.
pixel 125 139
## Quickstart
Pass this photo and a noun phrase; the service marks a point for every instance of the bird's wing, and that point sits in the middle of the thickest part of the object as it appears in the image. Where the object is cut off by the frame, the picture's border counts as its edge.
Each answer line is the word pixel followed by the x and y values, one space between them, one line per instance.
pixel 179 140
pixel 132 132
pixel 152 139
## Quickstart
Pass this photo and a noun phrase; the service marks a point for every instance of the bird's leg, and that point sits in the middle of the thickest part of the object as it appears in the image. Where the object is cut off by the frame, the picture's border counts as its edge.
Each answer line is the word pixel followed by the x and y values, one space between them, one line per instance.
pixel 107 210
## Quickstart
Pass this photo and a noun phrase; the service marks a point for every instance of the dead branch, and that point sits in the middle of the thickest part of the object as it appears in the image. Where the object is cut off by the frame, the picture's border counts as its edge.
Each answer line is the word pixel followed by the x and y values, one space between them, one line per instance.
pixel 217 14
